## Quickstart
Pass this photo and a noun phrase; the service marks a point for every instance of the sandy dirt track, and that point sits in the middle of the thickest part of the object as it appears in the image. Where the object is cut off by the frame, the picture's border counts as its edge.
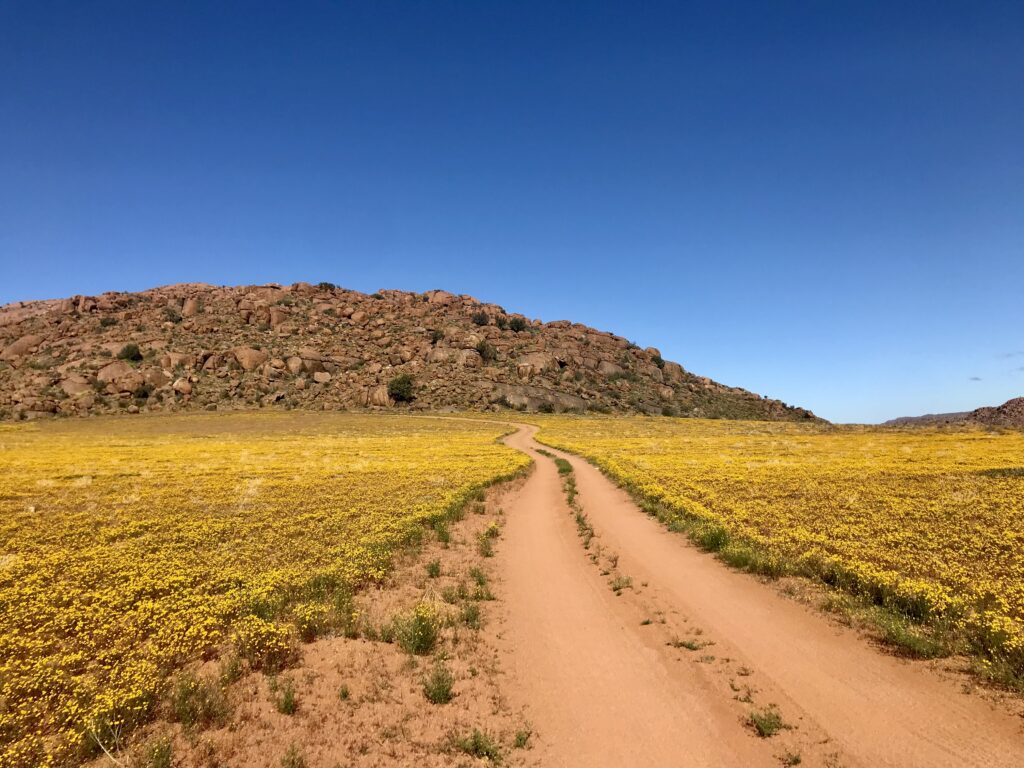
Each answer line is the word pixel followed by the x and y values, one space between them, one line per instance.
pixel 606 683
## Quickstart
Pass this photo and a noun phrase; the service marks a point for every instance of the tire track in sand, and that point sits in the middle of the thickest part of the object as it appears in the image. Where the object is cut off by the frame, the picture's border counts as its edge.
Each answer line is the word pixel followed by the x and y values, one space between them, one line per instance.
pixel 603 690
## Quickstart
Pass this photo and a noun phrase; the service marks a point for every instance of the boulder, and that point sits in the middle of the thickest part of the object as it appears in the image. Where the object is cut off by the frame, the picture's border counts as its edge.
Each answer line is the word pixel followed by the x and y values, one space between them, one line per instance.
pixel 439 355
pixel 171 360
pixel 608 368
pixel 378 396
pixel 250 359
pixel 278 315
pixel 21 347
pixel 155 377
pixel 535 363
pixel 321 377
pixel 469 358
pixel 191 307
pixel 440 297
pixel 113 372
pixel 295 365
pixel 182 386
pixel 75 385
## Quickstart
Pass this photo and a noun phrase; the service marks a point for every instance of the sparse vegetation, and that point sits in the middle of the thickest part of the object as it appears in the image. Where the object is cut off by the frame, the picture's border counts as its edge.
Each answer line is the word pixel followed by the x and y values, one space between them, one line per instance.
pixel 766 722
pixel 437 686
pixel 481 318
pixel 285 699
pixel 479 744
pixel 197 702
pixel 131 353
pixel 401 388
pixel 417 631
pixel 158 753
pixel 293 758
pixel 487 351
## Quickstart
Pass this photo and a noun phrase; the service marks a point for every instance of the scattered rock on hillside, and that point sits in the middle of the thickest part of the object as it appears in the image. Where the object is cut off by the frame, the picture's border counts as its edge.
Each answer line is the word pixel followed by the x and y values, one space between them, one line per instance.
pixel 325 347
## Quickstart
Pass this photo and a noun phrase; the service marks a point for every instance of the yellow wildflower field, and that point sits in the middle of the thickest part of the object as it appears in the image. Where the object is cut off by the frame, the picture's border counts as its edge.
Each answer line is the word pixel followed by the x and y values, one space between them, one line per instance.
pixel 929 521
pixel 131 546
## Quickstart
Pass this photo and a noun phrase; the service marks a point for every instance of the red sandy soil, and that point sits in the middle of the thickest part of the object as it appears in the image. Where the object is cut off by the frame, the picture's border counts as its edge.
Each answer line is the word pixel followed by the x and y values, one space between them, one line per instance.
pixel 603 688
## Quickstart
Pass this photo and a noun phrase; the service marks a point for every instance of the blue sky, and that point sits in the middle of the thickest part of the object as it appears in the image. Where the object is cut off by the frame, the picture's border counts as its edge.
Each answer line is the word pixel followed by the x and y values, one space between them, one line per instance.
pixel 819 201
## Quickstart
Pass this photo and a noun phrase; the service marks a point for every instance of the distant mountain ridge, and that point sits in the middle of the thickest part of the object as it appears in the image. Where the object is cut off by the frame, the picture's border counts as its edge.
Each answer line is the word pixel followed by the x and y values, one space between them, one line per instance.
pixel 1009 414
pixel 193 345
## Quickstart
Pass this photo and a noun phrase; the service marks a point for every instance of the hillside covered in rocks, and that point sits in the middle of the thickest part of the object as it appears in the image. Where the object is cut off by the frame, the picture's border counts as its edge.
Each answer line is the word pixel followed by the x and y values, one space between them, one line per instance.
pixel 196 346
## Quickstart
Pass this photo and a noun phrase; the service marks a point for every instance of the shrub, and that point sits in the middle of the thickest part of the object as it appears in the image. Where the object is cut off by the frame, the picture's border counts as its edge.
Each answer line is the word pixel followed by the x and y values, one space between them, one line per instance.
pixel 130 352
pixel 487 351
pixel 285 700
pixel 443 534
pixel 143 391
pixel 437 686
pixel 659 361
pixel 481 318
pixel 501 321
pixel 434 569
pixel 417 632
pixel 293 758
pixel 546 407
pixel 471 615
pixel 479 744
pixel 436 335
pixel 158 754
pixel 517 324
pixel 197 702
pixel 231 670
pixel 325 286
pixel 106 322
pixel 484 545
pixel 312 621
pixel 172 315
pixel 400 388
pixel 767 722
pixel 264 644
pixel 376 296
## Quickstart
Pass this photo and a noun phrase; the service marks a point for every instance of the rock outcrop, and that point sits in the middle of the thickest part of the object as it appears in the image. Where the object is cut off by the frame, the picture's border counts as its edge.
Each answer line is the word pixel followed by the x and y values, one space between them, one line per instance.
pixel 324 347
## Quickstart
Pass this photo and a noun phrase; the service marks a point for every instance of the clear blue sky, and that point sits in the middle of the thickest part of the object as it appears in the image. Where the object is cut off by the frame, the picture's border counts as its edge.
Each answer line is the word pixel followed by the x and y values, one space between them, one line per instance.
pixel 819 201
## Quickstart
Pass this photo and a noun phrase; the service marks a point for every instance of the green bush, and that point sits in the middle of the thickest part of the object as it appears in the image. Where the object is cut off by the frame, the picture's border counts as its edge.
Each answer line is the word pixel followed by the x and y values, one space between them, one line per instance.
pixel 131 353
pixel 437 686
pixel 517 324
pixel 158 754
pixel 480 744
pixel 325 286
pixel 285 700
pixel 417 631
pixel 487 351
pixel 400 388
pixel 293 758
pixel 197 702
pixel 481 318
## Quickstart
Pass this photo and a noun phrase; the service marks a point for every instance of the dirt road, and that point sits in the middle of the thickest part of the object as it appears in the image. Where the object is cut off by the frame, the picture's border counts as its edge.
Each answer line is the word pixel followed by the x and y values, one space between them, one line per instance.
pixel 668 672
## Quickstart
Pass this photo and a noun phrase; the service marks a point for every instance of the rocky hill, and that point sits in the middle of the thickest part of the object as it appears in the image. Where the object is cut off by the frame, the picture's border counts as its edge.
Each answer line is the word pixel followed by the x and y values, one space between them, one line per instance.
pixel 1009 414
pixel 196 346
pixel 928 419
